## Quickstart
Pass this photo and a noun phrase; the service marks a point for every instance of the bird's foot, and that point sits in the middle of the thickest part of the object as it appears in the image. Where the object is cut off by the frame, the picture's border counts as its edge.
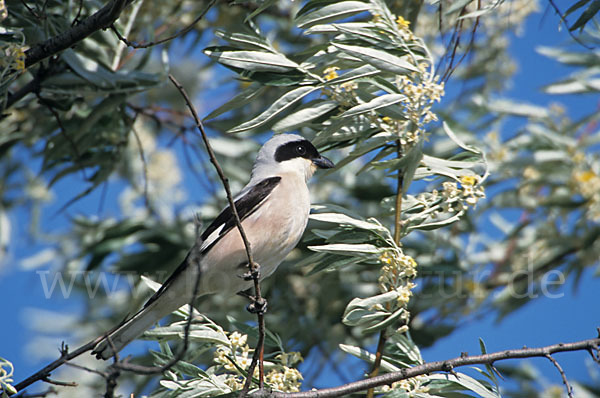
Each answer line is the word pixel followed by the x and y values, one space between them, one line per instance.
pixel 252 273
pixel 257 306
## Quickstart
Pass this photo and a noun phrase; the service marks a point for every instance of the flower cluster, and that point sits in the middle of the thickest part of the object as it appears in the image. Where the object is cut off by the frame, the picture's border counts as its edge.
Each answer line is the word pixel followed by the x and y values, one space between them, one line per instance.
pixel 236 357
pixel 421 88
pixel 421 92
pixel 412 386
pixel 3 10
pixel 330 73
pixel 284 379
pixel 404 29
pixel 13 57
pixel 6 376
pixel 458 198
pixel 587 184
pixel 396 274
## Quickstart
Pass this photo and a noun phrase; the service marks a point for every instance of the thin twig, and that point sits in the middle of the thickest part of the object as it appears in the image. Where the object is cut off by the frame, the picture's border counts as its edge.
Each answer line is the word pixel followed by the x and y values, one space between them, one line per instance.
pixel 113 372
pixel 397 236
pixel 144 165
pixel 60 383
pixel 78 15
pixel 562 375
pixel 134 44
pixel 440 366
pixel 65 356
pixel 31 10
pixel 252 266
pixel 85 368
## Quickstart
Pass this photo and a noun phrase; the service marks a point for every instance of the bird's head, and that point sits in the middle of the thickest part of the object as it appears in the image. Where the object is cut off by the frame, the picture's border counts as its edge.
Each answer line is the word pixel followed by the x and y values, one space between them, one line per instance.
pixel 289 153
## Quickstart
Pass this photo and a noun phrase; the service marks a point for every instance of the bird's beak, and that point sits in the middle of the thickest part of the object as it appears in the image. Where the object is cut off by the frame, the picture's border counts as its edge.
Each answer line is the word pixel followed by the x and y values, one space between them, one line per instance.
pixel 323 163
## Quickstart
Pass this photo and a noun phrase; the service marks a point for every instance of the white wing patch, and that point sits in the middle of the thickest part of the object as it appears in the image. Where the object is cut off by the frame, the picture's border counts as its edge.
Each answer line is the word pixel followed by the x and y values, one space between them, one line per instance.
pixel 212 238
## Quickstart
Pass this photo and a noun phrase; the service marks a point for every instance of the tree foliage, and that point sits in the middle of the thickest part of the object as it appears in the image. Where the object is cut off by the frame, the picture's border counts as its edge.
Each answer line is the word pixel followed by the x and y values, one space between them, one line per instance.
pixel 433 162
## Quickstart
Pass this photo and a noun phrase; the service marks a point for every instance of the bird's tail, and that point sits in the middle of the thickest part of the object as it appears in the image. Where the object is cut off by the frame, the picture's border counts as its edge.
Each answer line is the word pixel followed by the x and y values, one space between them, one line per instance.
pixel 131 329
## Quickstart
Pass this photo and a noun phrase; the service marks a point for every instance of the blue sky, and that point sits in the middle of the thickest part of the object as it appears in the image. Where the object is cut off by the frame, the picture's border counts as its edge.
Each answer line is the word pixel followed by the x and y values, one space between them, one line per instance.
pixel 543 321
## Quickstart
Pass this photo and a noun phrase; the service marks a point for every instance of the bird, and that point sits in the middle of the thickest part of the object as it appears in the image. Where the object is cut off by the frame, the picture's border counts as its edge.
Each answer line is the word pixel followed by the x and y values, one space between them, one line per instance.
pixel 273 208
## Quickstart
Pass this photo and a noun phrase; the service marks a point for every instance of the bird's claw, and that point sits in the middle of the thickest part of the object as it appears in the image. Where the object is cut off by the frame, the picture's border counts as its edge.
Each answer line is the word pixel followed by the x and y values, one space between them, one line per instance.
pixel 252 273
pixel 257 306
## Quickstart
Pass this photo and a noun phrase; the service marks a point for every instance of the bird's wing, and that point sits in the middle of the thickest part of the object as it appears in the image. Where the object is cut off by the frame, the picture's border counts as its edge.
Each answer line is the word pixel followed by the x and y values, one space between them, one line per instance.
pixel 249 202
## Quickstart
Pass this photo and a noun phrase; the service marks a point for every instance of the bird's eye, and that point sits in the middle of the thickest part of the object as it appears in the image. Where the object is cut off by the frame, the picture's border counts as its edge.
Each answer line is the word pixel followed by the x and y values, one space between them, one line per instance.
pixel 301 150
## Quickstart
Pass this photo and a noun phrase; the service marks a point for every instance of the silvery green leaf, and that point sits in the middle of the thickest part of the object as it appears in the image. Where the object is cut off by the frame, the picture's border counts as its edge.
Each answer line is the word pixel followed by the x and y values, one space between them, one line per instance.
pixel 243 98
pixel 363 316
pixel 369 302
pixel 88 69
pixel 408 348
pixel 551 156
pixel 541 131
pixel 365 146
pixel 367 357
pixel 284 102
pixel 246 41
pixel 587 58
pixel 376 103
pixel 517 108
pixel 331 12
pixel 206 335
pixel 457 140
pixel 368 34
pixel 574 85
pixel 465 381
pixel 378 58
pixel 344 219
pixel 384 323
pixel 306 114
pixel 440 222
pixel 255 61
pixel 449 168
pixel 347 249
pixel 334 28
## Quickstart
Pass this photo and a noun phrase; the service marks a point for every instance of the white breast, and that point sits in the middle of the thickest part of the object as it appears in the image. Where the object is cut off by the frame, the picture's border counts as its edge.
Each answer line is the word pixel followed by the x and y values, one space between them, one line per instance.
pixel 273 230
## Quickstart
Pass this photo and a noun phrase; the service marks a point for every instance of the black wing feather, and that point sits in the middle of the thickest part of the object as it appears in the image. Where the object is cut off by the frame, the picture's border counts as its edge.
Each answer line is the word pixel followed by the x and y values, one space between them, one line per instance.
pixel 246 205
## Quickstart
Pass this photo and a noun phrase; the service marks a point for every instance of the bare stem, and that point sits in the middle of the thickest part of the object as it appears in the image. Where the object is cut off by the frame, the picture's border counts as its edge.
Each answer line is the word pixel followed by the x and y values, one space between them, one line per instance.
pixel 441 366
pixel 397 234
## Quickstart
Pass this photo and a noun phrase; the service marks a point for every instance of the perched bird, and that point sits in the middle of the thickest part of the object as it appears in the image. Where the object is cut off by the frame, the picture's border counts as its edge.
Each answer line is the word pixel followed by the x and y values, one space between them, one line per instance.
pixel 273 207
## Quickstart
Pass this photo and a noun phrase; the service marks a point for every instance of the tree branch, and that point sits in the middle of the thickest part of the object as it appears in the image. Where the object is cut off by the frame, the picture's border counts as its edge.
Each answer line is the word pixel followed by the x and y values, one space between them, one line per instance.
pixel 65 356
pixel 101 19
pixel 441 366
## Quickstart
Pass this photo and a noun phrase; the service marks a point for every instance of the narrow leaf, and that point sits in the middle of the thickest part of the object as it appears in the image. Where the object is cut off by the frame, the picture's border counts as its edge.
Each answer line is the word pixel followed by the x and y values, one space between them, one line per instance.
pixel 585 16
pixel 377 103
pixel 255 61
pixel 283 103
pixel 331 12
pixel 378 58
